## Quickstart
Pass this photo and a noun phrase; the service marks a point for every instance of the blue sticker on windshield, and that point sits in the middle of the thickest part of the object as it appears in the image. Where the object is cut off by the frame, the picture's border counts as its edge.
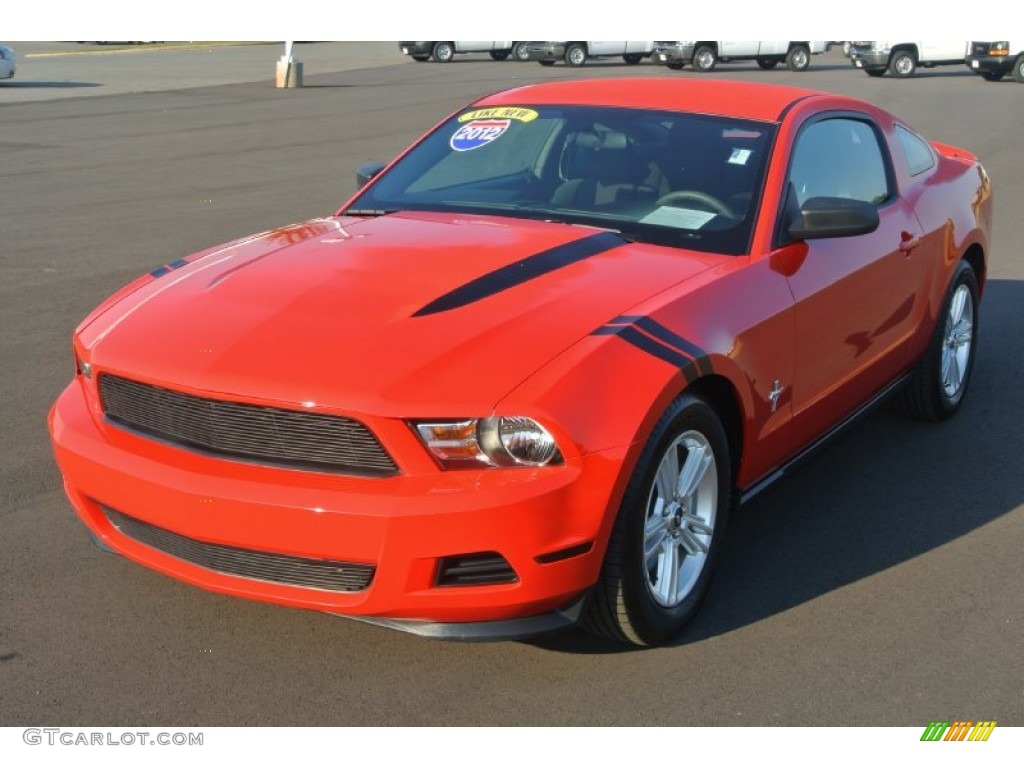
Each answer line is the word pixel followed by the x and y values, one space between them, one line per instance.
pixel 477 134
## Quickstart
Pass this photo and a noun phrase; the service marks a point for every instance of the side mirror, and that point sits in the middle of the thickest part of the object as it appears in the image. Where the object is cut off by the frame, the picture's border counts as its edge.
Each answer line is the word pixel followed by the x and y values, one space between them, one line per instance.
pixel 366 172
pixel 822 217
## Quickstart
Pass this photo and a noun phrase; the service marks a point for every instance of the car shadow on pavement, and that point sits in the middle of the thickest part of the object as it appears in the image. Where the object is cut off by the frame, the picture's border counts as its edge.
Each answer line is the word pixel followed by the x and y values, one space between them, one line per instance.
pixel 889 490
pixel 46 84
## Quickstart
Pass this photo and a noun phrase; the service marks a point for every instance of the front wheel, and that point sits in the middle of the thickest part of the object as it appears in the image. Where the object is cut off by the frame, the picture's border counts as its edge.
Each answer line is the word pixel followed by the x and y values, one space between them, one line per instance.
pixel 767 63
pixel 575 55
pixel 520 52
pixel 704 58
pixel 939 381
pixel 1018 70
pixel 443 52
pixel 799 58
pixel 903 64
pixel 669 530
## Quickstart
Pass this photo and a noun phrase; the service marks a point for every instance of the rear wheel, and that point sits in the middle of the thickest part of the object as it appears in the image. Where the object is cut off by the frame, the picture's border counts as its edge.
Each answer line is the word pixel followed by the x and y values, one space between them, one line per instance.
pixel 500 55
pixel 939 381
pixel 799 58
pixel 704 58
pixel 767 63
pixel 668 534
pixel 575 55
pixel 632 58
pixel 903 64
pixel 443 52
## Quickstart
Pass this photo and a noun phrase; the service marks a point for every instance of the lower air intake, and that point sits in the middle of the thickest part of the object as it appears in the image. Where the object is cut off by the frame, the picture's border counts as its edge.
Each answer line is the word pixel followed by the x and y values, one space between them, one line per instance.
pixel 475 570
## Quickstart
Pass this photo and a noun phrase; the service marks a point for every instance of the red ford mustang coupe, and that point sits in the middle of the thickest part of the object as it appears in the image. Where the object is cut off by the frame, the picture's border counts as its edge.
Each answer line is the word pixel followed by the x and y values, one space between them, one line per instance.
pixel 520 379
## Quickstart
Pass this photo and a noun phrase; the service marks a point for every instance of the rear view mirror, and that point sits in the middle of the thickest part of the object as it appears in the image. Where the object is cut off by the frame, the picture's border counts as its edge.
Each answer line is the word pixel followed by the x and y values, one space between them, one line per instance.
pixel 822 217
pixel 366 172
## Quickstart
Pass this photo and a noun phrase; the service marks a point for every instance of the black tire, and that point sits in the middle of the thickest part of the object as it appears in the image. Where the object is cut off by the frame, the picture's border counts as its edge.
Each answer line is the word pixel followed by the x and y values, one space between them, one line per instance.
pixel 704 58
pixel 520 52
pixel 1018 69
pixel 500 55
pixel 575 55
pixel 421 57
pixel 902 64
pixel 874 72
pixel 632 602
pixel 443 52
pixel 676 64
pixel 799 58
pixel 767 63
pixel 547 62
pixel 928 395
pixel 632 58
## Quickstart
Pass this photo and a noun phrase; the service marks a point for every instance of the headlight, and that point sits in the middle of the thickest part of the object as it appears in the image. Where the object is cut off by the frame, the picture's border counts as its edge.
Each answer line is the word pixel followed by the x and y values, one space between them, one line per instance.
pixel 1002 48
pixel 497 441
pixel 881 45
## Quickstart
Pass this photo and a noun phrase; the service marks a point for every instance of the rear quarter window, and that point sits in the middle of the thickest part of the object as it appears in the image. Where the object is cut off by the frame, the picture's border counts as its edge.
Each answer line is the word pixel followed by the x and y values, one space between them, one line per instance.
pixel 918 155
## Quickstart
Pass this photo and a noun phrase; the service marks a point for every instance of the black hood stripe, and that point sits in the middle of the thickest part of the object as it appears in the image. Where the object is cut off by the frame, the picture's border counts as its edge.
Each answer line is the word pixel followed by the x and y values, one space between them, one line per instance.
pixel 523 271
pixel 648 336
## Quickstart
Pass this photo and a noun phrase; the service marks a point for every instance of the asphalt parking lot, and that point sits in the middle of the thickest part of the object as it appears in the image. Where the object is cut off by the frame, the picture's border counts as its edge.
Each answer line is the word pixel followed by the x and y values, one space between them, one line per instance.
pixel 879 585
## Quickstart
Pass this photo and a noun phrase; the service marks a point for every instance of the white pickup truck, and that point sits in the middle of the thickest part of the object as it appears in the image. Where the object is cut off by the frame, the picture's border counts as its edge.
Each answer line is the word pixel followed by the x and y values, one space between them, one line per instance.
pixel 705 54
pixel 994 60
pixel 876 57
pixel 443 51
pixel 577 53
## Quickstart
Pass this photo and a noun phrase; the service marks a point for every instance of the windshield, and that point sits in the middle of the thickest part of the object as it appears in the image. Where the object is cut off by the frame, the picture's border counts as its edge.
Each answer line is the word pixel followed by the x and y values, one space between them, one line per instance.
pixel 670 178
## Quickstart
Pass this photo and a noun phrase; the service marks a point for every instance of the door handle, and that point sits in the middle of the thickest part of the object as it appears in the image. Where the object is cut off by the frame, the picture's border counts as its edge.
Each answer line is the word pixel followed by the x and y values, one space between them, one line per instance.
pixel 908 242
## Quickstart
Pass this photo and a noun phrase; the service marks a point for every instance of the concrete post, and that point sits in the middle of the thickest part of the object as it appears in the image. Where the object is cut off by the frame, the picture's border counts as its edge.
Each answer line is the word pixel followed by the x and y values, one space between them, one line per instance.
pixel 289 69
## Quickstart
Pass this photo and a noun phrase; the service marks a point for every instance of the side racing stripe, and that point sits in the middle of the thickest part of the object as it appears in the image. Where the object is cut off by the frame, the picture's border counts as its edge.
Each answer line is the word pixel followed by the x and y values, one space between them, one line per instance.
pixel 658 341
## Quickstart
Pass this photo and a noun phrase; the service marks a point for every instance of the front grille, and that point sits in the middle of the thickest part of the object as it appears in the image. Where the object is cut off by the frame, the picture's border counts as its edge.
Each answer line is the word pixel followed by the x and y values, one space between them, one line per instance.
pixel 331 575
pixel 247 432
pixel 474 570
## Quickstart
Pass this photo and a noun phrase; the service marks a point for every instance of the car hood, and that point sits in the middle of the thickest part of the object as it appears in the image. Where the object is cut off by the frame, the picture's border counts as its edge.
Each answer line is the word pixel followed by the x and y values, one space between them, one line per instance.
pixel 400 315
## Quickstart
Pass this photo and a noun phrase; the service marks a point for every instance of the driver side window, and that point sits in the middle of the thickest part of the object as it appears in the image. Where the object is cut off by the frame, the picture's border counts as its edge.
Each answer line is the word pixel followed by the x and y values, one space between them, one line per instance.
pixel 838 157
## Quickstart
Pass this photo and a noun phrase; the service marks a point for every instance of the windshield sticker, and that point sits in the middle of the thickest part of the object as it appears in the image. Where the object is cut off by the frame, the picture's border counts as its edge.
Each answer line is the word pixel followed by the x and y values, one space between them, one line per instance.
pixel 740 156
pixel 506 113
pixel 680 218
pixel 477 134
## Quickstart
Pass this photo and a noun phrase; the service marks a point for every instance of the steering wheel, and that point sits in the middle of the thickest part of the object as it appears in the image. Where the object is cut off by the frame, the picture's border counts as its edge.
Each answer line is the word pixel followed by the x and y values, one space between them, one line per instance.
pixel 712 202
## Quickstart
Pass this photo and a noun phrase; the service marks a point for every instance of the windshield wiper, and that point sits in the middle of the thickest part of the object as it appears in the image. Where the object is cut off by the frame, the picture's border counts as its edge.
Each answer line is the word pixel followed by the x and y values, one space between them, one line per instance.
pixel 368 212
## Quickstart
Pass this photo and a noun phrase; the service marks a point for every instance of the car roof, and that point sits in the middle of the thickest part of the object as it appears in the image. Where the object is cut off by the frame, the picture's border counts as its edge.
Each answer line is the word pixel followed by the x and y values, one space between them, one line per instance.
pixel 751 101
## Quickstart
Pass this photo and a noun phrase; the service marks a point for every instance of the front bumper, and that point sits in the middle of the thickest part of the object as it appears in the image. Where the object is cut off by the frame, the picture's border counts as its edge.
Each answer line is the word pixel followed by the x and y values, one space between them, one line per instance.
pixel 548 523
pixel 416 48
pixel 676 54
pixel 1002 65
pixel 545 51
pixel 869 59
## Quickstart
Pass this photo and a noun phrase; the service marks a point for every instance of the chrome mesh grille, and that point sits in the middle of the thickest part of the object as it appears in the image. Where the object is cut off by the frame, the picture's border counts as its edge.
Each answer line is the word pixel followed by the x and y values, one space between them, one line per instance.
pixel 331 575
pixel 248 432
